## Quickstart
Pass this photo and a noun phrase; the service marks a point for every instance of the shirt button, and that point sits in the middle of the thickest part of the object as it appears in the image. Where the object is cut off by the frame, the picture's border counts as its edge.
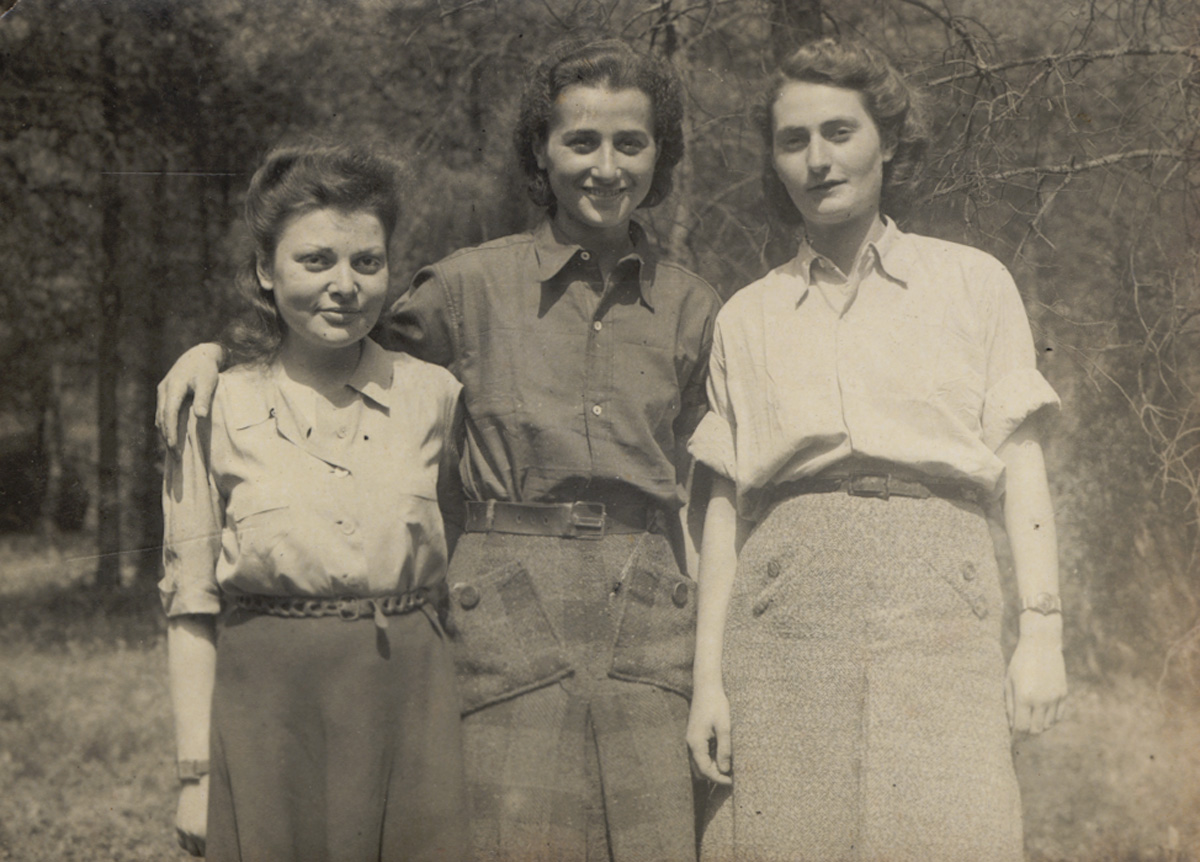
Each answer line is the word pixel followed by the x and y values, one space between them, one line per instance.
pixel 968 571
pixel 347 526
pixel 679 595
pixel 597 410
pixel 585 255
pixel 597 325
pixel 467 595
pixel 341 432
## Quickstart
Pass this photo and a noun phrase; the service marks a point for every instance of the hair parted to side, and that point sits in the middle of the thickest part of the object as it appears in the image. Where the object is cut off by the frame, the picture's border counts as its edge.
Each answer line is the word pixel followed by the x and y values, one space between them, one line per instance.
pixel 294 179
pixel 607 63
pixel 897 108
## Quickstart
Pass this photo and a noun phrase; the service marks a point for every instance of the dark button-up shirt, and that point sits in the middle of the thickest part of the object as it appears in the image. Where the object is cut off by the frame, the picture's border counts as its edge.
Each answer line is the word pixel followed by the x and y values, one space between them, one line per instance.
pixel 573 387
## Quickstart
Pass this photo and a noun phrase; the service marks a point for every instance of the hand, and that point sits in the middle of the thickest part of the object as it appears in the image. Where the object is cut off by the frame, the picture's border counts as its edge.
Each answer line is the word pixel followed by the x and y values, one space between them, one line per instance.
pixel 191 816
pixel 1035 688
pixel 708 728
pixel 194 373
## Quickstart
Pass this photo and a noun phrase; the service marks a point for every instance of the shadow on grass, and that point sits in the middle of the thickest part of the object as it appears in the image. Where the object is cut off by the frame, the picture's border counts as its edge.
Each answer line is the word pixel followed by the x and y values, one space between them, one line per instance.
pixel 54 617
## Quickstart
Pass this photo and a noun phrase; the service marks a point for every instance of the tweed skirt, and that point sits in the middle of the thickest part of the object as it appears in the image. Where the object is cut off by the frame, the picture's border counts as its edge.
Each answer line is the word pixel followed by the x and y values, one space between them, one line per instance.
pixel 335 740
pixel 574 659
pixel 865 678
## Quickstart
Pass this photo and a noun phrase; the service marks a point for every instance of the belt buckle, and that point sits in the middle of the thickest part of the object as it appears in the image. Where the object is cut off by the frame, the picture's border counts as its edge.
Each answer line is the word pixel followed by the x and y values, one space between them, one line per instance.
pixel 868 485
pixel 348 609
pixel 587 520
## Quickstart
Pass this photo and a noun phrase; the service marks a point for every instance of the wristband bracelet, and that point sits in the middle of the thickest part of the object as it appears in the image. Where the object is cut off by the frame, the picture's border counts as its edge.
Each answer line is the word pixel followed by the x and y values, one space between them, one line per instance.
pixel 191 770
pixel 1043 603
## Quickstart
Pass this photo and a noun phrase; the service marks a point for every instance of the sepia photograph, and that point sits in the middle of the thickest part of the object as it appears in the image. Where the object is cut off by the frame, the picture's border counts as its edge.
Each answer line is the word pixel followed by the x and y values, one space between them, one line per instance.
pixel 600 430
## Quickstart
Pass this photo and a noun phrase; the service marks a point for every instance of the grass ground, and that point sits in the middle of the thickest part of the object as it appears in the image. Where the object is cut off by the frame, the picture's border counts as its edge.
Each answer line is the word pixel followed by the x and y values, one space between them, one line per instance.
pixel 86 755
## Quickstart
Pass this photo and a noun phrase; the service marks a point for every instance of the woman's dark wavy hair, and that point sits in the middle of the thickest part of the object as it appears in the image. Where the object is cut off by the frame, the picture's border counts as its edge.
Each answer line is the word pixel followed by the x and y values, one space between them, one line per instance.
pixel 897 108
pixel 294 179
pixel 609 63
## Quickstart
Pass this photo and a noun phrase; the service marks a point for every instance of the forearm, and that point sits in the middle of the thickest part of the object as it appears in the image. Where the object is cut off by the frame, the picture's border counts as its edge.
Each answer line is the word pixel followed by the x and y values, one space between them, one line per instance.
pixel 1029 522
pixel 191 663
pixel 718 564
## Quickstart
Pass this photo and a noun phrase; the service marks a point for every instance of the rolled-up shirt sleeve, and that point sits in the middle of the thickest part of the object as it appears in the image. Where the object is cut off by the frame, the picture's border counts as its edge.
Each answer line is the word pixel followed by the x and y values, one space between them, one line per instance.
pixel 193 522
pixel 1015 389
pixel 713 441
pixel 424 321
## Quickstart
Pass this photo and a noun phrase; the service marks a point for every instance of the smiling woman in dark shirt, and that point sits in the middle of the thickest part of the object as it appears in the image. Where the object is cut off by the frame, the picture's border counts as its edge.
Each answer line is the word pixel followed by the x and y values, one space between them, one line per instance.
pixel 582 356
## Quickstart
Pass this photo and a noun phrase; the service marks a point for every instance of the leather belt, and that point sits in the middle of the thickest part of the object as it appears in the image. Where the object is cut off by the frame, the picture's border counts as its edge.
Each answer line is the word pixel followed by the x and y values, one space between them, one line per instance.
pixel 881 485
pixel 579 520
pixel 348 608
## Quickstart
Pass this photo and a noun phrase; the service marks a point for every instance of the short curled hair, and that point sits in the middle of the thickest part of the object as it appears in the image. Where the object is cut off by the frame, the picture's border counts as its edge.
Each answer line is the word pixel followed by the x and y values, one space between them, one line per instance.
pixel 292 180
pixel 607 63
pixel 897 108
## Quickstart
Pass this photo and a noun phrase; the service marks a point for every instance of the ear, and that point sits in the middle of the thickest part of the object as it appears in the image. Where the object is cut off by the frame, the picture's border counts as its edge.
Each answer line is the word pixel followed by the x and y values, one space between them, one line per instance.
pixel 888 148
pixel 264 277
pixel 539 154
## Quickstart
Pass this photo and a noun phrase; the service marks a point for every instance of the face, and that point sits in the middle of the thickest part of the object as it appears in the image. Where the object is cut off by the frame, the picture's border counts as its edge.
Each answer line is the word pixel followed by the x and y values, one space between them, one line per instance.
pixel 828 153
pixel 329 277
pixel 599 156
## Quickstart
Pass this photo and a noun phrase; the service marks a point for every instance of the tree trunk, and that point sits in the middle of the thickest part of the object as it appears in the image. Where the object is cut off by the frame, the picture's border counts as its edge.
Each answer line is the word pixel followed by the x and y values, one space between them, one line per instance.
pixel 51 433
pixel 147 480
pixel 108 538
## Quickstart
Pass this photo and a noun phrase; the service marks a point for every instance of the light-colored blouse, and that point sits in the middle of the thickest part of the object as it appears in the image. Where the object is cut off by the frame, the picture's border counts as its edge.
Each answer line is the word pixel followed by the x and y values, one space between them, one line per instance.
pixel 922 357
pixel 264 500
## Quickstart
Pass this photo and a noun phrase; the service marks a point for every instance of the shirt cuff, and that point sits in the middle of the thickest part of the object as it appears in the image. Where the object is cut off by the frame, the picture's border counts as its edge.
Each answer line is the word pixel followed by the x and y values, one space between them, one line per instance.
pixel 1013 399
pixel 712 445
pixel 178 600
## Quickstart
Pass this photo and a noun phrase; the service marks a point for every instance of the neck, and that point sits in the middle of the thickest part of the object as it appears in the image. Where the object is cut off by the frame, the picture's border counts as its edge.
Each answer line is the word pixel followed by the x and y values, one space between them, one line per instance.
pixel 325 371
pixel 608 244
pixel 842 243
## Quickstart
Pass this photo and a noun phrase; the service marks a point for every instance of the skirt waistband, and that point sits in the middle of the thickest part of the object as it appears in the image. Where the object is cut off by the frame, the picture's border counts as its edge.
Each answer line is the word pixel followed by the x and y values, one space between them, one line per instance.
pixel 881 485
pixel 348 608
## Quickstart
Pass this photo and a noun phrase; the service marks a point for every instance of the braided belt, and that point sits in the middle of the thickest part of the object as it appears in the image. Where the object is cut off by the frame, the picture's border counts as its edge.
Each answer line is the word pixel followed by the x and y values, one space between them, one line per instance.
pixel 348 608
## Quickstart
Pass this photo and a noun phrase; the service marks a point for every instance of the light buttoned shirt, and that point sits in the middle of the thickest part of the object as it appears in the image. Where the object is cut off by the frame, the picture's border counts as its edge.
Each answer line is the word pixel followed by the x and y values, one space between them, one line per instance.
pixel 265 500
pixel 920 357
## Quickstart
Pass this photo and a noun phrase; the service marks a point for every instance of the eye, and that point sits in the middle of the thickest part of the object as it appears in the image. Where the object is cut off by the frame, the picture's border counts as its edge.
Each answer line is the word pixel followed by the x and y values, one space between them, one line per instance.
pixel 840 134
pixel 792 141
pixel 581 143
pixel 369 264
pixel 315 261
pixel 631 146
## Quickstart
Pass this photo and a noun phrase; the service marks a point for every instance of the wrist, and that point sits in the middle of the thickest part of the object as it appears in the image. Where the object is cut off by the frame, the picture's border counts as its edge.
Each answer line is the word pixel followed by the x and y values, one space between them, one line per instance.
pixel 1041 627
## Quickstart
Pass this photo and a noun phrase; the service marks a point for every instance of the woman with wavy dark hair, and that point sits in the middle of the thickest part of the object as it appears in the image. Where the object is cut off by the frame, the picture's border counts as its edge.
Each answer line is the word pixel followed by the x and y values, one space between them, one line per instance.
pixel 582 354
pixel 304 553
pixel 869 401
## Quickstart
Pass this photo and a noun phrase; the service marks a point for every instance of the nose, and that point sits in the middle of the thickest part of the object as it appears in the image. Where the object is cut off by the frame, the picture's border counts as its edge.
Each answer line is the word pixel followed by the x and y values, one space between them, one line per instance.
pixel 605 165
pixel 818 152
pixel 342 281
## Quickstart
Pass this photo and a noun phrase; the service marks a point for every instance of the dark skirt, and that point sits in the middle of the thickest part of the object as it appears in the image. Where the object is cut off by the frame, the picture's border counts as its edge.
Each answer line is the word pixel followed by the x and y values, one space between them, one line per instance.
pixel 335 740
pixel 863 667
pixel 574 660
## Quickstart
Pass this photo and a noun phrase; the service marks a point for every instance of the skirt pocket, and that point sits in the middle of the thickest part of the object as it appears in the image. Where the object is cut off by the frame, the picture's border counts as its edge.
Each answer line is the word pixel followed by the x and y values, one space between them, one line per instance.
pixel 503 642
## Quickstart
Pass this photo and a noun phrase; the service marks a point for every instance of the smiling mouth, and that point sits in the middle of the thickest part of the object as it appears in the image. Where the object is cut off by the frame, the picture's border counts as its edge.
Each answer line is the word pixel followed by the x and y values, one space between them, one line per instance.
pixel 604 193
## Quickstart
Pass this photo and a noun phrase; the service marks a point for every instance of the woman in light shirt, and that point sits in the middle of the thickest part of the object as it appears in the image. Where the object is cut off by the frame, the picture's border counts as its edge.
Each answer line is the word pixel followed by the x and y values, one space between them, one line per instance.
pixel 869 400
pixel 319 719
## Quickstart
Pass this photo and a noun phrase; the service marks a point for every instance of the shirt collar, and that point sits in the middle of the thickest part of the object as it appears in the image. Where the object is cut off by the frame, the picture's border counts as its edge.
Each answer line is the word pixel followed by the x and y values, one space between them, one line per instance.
pixel 553 255
pixel 373 377
pixel 888 253
pixel 255 397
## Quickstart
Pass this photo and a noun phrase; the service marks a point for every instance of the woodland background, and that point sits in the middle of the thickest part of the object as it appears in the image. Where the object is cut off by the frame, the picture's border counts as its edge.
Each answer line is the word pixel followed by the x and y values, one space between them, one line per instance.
pixel 1066 146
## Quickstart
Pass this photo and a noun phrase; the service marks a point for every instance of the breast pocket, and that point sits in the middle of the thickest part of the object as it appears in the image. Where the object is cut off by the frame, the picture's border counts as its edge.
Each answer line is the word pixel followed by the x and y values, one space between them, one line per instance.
pixel 262 528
